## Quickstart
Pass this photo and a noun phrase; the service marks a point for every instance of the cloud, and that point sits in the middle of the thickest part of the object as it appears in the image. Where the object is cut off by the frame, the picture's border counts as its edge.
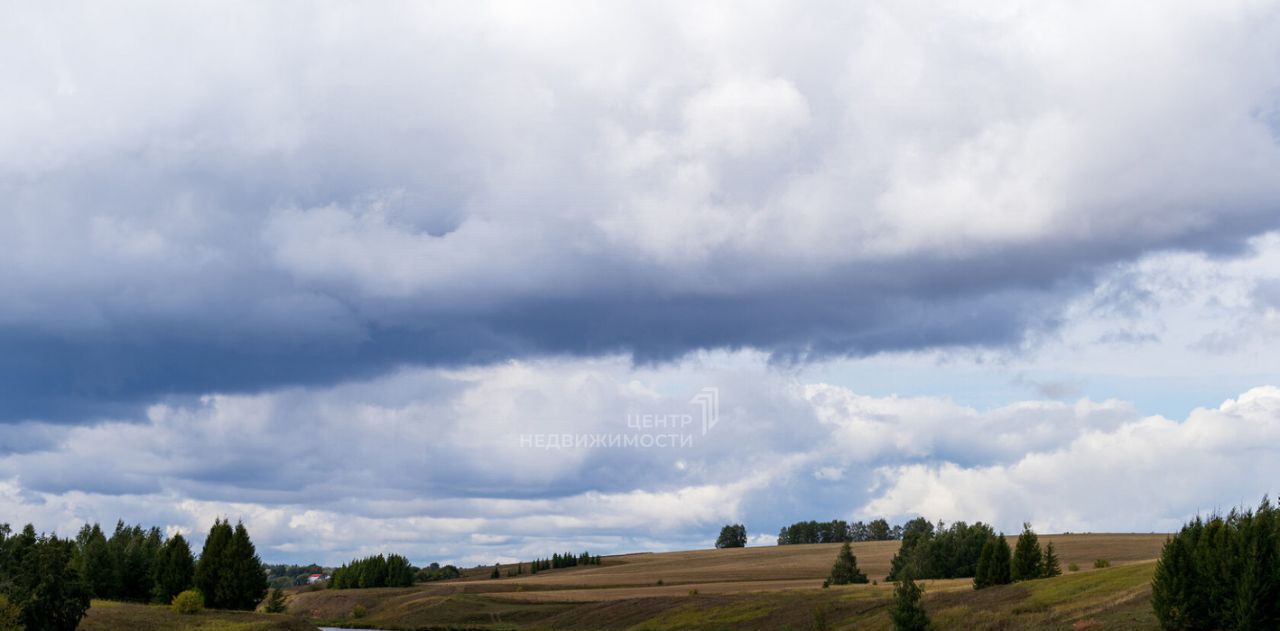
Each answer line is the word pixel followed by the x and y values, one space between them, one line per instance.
pixel 434 462
pixel 199 204
pixel 1147 474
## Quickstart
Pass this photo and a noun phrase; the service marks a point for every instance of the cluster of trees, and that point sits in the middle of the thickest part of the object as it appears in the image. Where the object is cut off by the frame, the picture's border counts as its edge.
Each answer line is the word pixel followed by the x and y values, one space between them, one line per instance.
pixel 940 551
pixel 732 536
pixel 391 570
pixel 284 575
pixel 964 550
pixel 435 572
pixel 40 587
pixel 1221 573
pixel 47 582
pixel 567 559
pixel 836 531
pixel 229 574
pixel 1029 561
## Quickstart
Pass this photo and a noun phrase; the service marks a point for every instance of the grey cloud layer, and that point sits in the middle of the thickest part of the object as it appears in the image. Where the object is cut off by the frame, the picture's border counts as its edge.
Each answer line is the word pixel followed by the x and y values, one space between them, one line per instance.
pixel 430 462
pixel 262 196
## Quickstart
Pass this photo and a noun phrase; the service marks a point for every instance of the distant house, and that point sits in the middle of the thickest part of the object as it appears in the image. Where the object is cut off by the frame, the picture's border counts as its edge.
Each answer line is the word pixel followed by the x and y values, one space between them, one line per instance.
pixel 316 578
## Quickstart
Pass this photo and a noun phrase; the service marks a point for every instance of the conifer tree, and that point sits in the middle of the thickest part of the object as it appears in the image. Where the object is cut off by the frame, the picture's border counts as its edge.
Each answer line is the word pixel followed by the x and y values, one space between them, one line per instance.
pixel 213 564
pixel 95 564
pixel 845 570
pixel 246 583
pixel 982 578
pixel 1026 556
pixel 1175 589
pixel 907 612
pixel 174 569
pixel 1000 572
pixel 1049 564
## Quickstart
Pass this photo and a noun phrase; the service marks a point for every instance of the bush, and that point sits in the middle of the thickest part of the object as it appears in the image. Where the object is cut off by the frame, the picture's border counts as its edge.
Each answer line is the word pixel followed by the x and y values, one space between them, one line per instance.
pixel 359 611
pixel 1073 567
pixel 275 602
pixel 188 603
pixel 1101 563
pixel 693 592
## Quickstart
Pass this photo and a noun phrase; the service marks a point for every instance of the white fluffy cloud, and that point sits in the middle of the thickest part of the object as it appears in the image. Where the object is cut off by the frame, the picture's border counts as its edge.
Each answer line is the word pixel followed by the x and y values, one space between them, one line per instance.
pixel 432 463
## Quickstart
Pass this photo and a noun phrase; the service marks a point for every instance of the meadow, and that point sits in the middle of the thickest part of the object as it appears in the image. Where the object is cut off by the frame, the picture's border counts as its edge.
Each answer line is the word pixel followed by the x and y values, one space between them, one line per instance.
pixel 775 587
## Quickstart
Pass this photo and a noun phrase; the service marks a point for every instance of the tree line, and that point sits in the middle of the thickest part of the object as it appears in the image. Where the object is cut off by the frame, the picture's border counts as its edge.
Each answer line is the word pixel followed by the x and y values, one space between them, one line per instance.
pixel 391 570
pixel 837 531
pixel 557 561
pixel 47 581
pixel 1221 572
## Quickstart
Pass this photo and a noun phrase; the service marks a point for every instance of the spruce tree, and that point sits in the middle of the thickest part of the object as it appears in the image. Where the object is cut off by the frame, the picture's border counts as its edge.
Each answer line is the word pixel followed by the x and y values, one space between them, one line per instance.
pixel 907 612
pixel 983 578
pixel 1000 572
pixel 213 565
pixel 95 564
pixel 1026 556
pixel 1049 564
pixel 245 584
pixel 174 569
pixel 1174 588
pixel 845 570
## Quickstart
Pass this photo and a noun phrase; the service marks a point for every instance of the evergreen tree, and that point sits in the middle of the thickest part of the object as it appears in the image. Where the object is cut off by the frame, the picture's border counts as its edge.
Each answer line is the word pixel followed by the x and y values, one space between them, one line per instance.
pixel 1026 556
pixel 845 570
pixel 983 578
pixel 245 584
pixel 907 612
pixel 495 573
pixel 174 569
pixel 212 565
pixel 47 587
pixel 1049 564
pixel 275 602
pixel 1001 570
pixel 1175 587
pixel 95 564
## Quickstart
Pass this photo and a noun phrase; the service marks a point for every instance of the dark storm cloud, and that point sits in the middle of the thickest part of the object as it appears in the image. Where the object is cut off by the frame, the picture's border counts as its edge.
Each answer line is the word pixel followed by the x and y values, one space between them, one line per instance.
pixel 200 203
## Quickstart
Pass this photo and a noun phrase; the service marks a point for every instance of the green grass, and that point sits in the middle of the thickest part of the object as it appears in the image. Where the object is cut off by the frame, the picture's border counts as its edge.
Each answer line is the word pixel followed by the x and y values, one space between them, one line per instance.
pixel 115 616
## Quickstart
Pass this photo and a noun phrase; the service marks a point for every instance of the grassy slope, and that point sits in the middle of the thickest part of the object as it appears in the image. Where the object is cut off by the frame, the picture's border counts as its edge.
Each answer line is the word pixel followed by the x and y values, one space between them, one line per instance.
pixel 113 616
pixel 731 595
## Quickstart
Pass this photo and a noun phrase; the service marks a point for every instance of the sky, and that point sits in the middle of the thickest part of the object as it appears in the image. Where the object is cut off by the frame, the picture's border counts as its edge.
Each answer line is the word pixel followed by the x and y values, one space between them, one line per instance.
pixel 477 282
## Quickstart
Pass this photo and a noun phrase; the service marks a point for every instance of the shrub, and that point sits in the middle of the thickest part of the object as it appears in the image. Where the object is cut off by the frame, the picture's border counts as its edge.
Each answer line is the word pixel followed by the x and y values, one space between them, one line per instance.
pixel 1101 563
pixel 358 612
pixel 188 602
pixel 693 592
pixel 659 582
pixel 1073 567
pixel 275 602
pixel 820 619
